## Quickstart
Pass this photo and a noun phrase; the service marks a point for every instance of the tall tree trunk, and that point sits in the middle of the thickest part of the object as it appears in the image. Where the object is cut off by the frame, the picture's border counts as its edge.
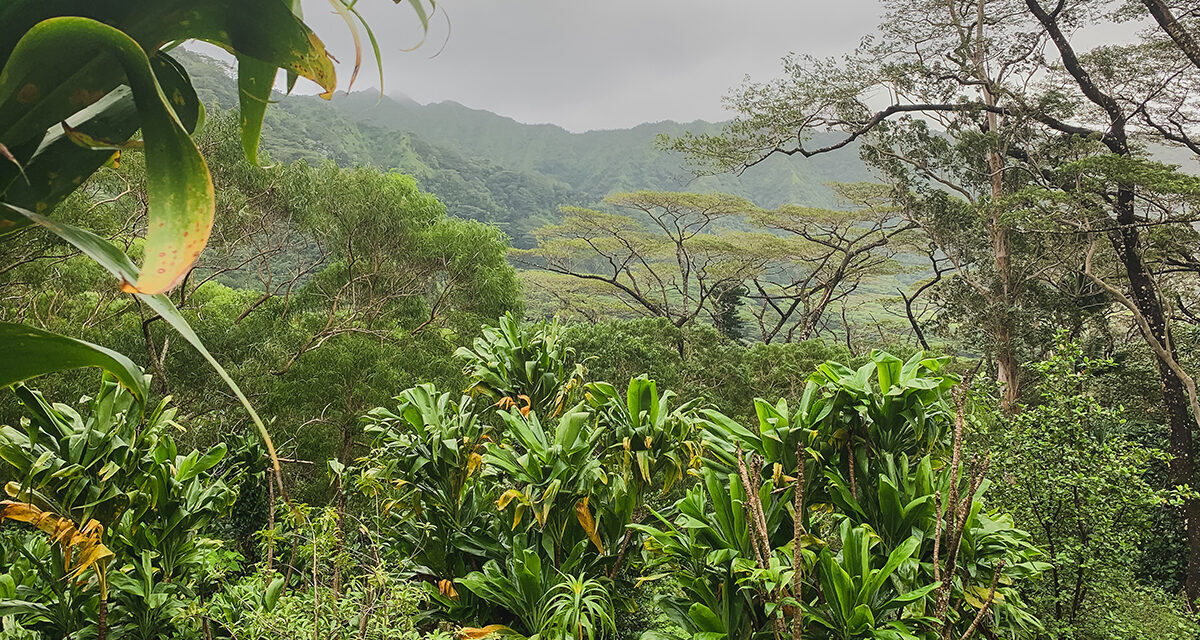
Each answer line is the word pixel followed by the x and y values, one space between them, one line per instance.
pixel 1127 242
pixel 1007 367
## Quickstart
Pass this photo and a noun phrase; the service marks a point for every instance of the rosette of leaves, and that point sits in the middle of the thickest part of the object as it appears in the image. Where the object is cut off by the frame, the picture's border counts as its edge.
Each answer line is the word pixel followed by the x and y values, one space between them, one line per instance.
pixel 525 365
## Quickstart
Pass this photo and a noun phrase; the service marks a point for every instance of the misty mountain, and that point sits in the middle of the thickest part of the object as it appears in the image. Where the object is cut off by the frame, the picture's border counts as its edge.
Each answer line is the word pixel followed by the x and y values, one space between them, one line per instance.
pixel 489 167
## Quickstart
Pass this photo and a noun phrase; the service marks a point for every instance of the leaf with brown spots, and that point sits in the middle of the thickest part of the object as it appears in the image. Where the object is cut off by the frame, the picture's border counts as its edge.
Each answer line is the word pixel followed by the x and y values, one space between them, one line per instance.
pixel 180 190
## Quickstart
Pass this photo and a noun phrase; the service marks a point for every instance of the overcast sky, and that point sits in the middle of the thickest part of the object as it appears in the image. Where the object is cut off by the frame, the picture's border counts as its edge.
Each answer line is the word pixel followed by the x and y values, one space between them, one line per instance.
pixel 592 64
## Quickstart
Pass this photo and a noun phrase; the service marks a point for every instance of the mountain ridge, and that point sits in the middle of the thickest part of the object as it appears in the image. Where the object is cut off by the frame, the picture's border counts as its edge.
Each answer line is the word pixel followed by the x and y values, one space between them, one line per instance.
pixel 491 167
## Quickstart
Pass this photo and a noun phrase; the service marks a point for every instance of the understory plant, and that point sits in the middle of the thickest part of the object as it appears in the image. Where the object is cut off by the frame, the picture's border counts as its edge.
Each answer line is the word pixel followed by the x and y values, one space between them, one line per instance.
pixel 122 510
pixel 1076 479
pixel 853 513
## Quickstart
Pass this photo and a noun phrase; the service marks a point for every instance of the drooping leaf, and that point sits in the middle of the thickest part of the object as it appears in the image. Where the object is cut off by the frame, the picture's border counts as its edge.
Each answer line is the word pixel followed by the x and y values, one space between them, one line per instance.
pixel 31 352
pixel 255 81
pixel 119 264
pixel 271 595
pixel 82 544
pixel 584 514
pixel 60 165
pixel 178 185
pixel 478 633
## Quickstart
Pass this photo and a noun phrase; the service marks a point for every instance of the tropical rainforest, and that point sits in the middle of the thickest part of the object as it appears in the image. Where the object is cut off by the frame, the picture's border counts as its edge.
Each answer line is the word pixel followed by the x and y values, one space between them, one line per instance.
pixel 902 351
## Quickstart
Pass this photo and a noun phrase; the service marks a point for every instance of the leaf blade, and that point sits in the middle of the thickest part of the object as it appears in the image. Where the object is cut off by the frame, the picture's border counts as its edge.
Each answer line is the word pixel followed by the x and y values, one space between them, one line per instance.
pixel 31 352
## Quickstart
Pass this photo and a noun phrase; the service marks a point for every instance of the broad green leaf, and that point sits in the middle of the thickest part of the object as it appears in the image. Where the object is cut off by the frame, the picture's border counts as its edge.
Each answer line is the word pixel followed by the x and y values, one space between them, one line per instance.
pixel 31 352
pixel 201 463
pixel 60 165
pixel 895 559
pixel 119 264
pixel 890 509
pixel 266 30
pixel 911 596
pixel 255 81
pixel 888 368
pixel 836 584
pixel 862 619
pixel 705 619
pixel 177 179
pixel 9 607
pixel 271 595
pixel 176 84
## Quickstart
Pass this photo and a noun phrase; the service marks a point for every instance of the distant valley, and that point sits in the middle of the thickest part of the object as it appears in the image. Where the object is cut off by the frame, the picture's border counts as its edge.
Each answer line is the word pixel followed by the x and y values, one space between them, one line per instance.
pixel 487 167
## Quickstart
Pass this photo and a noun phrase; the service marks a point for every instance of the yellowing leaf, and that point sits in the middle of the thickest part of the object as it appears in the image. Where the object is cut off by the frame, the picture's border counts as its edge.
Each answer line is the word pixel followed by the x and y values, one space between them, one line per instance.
pixel 474 461
pixel 584 514
pixel 87 541
pixel 92 142
pixel 506 498
pixel 179 189
pixel 976 596
pixel 652 578
pixel 477 633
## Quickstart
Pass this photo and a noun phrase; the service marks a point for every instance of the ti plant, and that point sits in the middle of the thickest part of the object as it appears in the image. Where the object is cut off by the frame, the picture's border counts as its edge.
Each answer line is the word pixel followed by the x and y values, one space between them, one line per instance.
pixel 425 472
pixel 113 484
pixel 648 442
pixel 555 473
pixel 872 460
pixel 708 551
pixel 548 603
pixel 527 366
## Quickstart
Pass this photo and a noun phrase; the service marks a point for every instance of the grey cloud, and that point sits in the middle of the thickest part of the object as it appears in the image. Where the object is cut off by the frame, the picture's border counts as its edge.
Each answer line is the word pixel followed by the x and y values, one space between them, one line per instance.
pixel 594 64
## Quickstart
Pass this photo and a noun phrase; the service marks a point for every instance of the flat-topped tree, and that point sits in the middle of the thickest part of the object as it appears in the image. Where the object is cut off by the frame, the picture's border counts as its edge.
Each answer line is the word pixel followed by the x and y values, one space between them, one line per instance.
pixel 986 100
pixel 663 256
pixel 695 257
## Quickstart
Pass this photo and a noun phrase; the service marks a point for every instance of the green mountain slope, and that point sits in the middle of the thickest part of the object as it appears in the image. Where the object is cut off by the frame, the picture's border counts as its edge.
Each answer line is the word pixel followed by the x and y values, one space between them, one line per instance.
pixel 597 163
pixel 488 167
